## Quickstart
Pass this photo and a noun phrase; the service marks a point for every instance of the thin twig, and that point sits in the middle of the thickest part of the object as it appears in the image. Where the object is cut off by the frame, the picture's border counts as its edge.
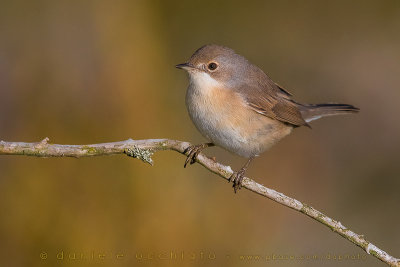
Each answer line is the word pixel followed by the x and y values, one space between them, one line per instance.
pixel 143 149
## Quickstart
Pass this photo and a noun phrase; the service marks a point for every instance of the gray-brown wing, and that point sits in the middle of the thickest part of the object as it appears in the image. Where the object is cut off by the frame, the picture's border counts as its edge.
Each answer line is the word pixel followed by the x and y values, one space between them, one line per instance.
pixel 273 101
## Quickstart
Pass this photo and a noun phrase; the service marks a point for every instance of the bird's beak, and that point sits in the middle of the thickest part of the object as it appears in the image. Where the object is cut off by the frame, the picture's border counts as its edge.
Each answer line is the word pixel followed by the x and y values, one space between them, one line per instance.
pixel 185 66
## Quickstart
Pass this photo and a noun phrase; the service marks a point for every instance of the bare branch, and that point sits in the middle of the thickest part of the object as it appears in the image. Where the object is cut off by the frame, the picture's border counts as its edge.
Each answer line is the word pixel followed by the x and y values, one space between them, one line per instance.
pixel 144 149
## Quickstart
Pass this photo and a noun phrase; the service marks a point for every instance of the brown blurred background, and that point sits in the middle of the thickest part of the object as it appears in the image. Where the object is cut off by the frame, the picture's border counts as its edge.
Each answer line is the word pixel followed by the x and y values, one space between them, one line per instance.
pixel 83 72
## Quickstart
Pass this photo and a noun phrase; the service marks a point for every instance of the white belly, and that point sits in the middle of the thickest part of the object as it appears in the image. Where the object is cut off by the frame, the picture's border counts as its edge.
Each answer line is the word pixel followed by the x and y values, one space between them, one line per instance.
pixel 223 117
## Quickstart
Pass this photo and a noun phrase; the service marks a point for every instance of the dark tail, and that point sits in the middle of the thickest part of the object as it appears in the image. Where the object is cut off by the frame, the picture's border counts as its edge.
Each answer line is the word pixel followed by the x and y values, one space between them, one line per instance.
pixel 314 112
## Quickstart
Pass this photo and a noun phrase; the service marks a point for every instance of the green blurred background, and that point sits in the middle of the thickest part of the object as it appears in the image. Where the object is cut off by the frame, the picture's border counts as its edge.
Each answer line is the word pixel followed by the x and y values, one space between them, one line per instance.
pixel 83 72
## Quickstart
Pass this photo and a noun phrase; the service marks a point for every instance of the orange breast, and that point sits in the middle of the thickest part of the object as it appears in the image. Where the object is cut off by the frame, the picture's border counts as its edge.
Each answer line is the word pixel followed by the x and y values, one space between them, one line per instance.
pixel 224 117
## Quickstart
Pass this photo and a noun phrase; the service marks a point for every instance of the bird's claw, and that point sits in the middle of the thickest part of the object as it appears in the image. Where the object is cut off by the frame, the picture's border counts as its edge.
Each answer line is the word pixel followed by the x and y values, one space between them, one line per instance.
pixel 192 151
pixel 237 178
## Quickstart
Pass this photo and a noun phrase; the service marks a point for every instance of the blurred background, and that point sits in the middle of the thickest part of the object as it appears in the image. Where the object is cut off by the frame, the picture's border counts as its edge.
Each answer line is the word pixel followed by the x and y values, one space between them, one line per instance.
pixel 82 72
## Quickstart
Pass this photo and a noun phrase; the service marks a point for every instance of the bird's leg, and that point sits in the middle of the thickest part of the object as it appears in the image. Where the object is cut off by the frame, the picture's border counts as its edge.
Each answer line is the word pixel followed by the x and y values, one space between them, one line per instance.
pixel 193 151
pixel 237 177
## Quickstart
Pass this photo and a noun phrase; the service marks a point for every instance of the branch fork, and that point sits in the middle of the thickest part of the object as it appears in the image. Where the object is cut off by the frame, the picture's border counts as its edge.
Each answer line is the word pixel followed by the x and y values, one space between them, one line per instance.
pixel 144 149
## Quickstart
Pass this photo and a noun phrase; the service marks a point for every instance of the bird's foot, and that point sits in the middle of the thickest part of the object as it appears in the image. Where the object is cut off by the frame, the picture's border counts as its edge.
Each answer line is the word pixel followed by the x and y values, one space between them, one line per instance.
pixel 193 152
pixel 237 178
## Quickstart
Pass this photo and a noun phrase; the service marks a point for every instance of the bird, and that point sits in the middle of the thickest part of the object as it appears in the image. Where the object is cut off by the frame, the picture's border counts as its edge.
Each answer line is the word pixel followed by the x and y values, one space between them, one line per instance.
pixel 236 106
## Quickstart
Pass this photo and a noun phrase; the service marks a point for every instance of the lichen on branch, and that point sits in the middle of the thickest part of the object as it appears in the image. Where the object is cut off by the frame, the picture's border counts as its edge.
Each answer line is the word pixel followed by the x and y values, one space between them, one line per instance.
pixel 144 149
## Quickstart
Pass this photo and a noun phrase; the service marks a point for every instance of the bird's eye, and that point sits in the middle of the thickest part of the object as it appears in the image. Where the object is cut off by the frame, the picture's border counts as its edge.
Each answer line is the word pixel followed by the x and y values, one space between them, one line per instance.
pixel 212 66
